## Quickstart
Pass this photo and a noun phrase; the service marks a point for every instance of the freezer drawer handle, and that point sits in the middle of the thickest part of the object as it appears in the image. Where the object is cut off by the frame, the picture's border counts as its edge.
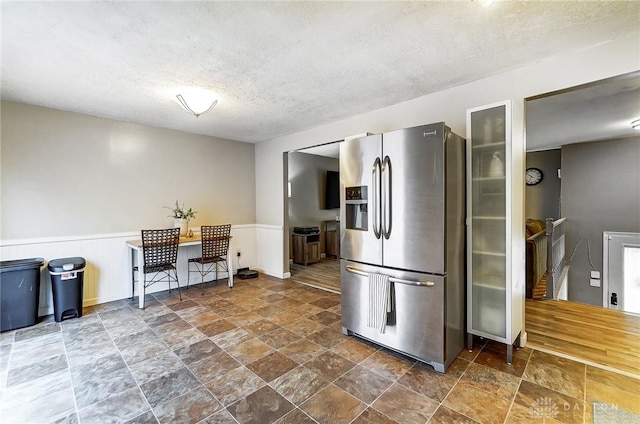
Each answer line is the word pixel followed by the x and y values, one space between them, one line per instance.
pixel 393 279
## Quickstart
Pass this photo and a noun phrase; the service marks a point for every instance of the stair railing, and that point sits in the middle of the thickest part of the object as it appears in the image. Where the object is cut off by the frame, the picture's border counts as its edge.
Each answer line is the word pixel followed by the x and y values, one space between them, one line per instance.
pixel 557 266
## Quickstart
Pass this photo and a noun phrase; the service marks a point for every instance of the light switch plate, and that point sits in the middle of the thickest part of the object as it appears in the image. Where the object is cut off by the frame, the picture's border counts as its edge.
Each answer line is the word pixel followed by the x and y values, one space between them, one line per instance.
pixel 595 274
pixel 594 282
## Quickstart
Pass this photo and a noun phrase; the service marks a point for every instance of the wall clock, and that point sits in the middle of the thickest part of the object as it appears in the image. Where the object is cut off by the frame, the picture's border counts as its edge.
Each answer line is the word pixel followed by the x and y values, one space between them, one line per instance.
pixel 533 176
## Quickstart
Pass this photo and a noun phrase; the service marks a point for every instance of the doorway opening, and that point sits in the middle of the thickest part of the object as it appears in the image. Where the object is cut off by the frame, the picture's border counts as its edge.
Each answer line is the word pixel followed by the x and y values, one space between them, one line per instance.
pixel 621 271
pixel 313 216
pixel 589 126
pixel 592 181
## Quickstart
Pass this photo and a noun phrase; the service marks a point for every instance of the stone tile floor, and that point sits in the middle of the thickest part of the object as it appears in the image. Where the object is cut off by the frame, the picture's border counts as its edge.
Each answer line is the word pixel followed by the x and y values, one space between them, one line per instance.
pixel 271 351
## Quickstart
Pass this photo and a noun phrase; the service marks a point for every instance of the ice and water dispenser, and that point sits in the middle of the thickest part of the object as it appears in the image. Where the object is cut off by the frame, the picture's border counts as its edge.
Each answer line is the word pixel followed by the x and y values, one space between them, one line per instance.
pixel 356 208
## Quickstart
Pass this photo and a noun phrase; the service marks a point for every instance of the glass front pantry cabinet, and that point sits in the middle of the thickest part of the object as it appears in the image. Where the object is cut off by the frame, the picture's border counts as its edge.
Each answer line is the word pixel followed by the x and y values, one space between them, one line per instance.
pixel 495 224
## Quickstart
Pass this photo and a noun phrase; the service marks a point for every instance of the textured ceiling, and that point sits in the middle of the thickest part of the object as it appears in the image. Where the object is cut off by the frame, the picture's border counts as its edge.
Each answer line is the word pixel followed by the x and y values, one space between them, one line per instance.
pixel 277 67
pixel 602 110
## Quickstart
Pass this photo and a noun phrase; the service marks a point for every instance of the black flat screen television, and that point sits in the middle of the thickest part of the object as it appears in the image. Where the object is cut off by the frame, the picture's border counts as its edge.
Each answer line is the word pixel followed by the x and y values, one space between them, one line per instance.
pixel 332 190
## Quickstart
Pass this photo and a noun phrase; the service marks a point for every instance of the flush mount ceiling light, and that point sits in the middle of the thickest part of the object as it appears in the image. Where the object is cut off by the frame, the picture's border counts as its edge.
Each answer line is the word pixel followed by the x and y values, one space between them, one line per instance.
pixel 200 106
pixel 635 124
pixel 486 3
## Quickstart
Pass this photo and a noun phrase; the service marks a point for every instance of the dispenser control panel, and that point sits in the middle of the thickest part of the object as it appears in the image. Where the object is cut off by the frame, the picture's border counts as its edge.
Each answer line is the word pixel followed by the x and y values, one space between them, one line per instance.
pixel 356 205
pixel 353 194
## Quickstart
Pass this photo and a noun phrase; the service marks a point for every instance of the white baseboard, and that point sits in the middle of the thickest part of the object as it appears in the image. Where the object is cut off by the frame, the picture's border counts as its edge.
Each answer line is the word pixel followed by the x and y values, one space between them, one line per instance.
pixel 272 273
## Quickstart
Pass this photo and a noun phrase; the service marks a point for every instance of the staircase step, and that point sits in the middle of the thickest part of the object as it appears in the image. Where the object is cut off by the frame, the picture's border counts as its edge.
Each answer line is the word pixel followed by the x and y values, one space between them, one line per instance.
pixel 540 290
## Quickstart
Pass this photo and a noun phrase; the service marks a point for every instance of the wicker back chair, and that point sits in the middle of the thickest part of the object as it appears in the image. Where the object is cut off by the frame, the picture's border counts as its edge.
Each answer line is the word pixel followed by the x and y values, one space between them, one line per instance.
pixel 160 253
pixel 215 251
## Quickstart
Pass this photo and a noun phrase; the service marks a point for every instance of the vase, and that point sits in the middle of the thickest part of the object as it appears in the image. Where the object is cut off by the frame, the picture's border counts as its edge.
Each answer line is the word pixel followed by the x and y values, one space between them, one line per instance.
pixel 182 224
pixel 496 166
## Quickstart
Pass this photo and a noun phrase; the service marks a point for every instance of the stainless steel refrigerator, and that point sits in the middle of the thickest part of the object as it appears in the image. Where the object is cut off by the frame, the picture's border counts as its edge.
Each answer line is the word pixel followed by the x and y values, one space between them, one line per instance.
pixel 402 207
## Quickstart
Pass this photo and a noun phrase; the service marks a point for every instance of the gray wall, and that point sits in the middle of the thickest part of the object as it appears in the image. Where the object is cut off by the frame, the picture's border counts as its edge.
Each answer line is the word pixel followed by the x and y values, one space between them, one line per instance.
pixel 307 174
pixel 600 192
pixel 67 174
pixel 543 200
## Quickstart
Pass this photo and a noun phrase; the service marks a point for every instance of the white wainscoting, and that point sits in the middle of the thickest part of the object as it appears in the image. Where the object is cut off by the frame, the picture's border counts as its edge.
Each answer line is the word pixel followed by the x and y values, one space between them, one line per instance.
pixel 107 276
pixel 270 250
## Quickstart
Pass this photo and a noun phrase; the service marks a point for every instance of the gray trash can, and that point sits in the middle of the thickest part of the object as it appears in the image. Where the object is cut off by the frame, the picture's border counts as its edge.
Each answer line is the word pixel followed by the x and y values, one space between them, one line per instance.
pixel 19 293
pixel 67 275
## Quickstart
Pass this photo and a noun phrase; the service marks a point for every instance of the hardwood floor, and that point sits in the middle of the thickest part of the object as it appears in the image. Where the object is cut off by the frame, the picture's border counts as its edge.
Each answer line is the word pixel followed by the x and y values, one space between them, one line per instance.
pixel 602 337
pixel 324 274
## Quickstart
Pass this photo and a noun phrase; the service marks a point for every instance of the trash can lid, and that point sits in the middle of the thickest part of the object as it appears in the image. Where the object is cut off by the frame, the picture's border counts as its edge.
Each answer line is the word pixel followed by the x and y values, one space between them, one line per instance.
pixel 20 264
pixel 66 264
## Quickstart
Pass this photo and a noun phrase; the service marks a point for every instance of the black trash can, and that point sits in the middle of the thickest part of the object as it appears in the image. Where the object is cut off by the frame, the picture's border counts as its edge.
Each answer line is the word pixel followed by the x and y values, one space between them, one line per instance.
pixel 67 276
pixel 19 293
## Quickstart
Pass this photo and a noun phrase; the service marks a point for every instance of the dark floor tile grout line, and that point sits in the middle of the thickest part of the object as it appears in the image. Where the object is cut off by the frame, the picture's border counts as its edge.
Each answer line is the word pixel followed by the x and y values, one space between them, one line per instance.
pixel 454 386
pixel 172 351
pixel 204 383
pixel 299 409
pixel 6 372
pixel 518 390
pixel 513 401
pixel 267 384
pixel 521 378
pixel 73 387
pixel 395 381
pixel 379 396
pixel 128 368
pixel 185 365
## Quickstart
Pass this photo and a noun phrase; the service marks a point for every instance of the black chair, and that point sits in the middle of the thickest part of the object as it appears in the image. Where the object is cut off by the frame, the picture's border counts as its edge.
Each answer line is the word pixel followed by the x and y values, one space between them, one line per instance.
pixel 215 251
pixel 160 253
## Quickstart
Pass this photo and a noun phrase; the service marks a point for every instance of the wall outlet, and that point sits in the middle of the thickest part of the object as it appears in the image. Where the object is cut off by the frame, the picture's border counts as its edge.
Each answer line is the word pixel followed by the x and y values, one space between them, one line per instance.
pixel 594 282
pixel 238 252
pixel 595 274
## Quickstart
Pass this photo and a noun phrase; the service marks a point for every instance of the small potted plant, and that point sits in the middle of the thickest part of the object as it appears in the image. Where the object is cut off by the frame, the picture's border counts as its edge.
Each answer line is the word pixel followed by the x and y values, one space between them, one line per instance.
pixel 181 217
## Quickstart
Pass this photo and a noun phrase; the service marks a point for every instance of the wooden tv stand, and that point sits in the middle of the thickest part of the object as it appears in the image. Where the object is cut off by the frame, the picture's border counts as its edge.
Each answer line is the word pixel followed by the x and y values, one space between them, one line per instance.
pixel 306 248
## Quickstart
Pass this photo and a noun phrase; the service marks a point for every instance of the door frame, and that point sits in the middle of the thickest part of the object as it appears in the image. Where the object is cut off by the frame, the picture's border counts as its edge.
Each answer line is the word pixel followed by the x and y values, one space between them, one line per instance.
pixel 605 262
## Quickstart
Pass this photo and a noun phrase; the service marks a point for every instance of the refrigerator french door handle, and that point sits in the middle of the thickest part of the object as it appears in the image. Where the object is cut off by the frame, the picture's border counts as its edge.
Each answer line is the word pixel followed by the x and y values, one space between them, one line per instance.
pixel 427 283
pixel 376 172
pixel 387 200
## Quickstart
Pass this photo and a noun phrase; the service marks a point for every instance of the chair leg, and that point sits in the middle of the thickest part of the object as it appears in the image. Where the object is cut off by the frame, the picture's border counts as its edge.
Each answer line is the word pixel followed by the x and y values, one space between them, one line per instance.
pixel 177 283
pixel 133 283
pixel 188 274
pixel 202 274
